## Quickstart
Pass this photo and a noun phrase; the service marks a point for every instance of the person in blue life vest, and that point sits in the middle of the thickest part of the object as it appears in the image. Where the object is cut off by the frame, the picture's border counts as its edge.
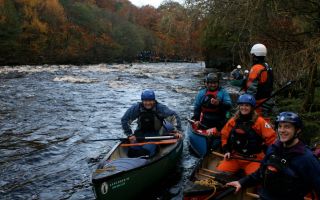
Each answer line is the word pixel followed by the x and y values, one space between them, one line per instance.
pixel 289 169
pixel 153 119
pixel 211 106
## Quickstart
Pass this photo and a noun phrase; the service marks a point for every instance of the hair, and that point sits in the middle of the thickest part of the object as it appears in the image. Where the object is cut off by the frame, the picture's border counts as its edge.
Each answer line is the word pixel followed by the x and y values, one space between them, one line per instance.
pixel 254 115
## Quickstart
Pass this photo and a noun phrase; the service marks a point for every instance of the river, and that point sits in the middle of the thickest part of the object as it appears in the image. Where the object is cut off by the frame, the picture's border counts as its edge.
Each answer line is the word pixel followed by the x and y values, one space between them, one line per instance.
pixel 47 111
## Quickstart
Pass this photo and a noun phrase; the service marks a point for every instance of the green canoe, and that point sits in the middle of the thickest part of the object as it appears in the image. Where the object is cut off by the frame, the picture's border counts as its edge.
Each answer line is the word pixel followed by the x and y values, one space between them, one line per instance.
pixel 120 177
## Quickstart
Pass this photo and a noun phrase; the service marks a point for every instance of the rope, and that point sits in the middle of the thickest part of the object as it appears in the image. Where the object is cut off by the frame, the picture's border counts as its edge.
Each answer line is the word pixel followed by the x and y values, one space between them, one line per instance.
pixel 210 182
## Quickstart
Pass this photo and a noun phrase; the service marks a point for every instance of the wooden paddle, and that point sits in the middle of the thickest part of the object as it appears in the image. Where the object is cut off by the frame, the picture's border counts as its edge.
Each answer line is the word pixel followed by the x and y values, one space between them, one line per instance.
pixel 236 157
pixel 172 141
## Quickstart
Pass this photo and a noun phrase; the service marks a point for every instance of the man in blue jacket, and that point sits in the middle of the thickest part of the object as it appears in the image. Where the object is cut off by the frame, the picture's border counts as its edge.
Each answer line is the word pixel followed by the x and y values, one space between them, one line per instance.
pixel 153 119
pixel 289 169
pixel 211 104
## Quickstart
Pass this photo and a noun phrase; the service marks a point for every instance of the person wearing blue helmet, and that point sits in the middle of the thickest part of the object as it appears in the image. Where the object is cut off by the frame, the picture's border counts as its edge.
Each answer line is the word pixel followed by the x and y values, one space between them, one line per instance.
pixel 153 119
pixel 246 135
pixel 289 169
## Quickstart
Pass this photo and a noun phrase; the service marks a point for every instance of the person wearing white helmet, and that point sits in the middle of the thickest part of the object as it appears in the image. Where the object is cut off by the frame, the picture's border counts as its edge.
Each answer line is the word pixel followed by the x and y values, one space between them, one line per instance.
pixel 260 80
pixel 237 73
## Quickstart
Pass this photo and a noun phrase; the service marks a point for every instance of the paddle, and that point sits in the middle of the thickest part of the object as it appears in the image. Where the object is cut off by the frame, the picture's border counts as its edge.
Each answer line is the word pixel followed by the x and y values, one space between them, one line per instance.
pixel 236 157
pixel 275 93
pixel 172 141
pixel 168 137
pixel 225 193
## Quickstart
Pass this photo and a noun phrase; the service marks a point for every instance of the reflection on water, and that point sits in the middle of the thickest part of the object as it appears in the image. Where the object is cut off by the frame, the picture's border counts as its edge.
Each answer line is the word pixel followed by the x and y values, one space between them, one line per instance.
pixel 47 111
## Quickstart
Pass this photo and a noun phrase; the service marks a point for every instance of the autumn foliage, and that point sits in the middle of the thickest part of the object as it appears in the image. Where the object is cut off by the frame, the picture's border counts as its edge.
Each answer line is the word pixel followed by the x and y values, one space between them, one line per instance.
pixel 93 31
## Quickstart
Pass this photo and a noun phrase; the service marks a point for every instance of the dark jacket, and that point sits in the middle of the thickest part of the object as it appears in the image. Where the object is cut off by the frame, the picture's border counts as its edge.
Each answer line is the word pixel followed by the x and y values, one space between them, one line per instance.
pixel 301 172
pixel 161 111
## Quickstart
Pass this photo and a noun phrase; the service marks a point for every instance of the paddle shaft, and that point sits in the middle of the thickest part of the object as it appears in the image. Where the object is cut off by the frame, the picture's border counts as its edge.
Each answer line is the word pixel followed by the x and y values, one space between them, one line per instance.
pixel 168 137
pixel 275 93
pixel 236 157
pixel 172 141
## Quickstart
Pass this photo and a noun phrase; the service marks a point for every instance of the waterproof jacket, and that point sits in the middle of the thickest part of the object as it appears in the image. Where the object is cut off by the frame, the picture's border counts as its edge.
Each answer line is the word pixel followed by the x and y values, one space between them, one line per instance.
pixel 300 172
pixel 159 112
pixel 222 95
pixel 260 81
pixel 259 130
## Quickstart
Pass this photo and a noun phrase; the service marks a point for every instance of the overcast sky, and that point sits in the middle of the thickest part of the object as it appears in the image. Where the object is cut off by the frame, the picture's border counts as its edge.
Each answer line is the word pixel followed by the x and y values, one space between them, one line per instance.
pixel 154 3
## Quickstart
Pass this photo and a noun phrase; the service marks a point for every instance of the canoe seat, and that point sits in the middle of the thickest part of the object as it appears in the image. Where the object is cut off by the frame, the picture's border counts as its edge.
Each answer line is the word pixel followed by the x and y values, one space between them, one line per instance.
pixel 119 165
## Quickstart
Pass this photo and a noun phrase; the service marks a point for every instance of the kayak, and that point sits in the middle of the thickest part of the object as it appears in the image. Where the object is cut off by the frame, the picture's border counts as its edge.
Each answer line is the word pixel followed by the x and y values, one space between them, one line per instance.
pixel 120 177
pixel 206 182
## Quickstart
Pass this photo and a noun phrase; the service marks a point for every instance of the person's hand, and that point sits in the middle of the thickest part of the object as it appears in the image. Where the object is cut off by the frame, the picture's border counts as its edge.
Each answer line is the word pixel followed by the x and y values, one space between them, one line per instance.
pixel 177 134
pixel 215 101
pixel 213 131
pixel 132 139
pixel 196 123
pixel 227 156
pixel 235 184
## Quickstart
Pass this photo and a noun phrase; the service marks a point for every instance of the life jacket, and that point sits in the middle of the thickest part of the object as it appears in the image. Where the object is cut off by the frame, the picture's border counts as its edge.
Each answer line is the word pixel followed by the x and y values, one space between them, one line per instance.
pixel 149 120
pixel 206 105
pixel 244 140
pixel 264 90
pixel 280 179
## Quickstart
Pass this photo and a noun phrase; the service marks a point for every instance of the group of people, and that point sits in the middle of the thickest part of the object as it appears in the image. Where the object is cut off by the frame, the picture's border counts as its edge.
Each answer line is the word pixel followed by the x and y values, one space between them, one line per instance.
pixel 288 169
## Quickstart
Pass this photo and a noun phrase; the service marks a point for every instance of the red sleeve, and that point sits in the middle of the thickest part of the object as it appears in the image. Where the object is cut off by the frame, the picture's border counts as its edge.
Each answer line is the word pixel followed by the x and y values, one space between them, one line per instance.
pixel 265 130
pixel 225 132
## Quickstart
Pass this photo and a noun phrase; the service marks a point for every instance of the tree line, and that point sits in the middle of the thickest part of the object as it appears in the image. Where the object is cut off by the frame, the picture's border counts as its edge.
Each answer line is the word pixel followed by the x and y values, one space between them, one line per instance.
pixel 93 31
pixel 289 28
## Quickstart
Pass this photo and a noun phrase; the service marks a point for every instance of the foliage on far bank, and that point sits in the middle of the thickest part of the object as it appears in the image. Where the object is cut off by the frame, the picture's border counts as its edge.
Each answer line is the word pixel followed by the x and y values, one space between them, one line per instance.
pixel 86 31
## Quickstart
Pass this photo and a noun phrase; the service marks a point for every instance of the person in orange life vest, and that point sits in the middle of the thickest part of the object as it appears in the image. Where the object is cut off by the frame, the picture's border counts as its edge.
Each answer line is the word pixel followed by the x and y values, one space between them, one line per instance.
pixel 289 169
pixel 260 81
pixel 245 135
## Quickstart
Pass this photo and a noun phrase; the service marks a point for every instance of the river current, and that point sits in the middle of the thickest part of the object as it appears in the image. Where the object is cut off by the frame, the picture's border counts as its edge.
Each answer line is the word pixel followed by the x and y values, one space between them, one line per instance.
pixel 47 111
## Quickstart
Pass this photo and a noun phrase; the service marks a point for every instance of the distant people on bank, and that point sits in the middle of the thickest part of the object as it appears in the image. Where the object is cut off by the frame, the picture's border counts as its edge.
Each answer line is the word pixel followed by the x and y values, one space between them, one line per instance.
pixel 289 169
pixel 237 73
pixel 246 135
pixel 153 119
pixel 211 106
pixel 260 81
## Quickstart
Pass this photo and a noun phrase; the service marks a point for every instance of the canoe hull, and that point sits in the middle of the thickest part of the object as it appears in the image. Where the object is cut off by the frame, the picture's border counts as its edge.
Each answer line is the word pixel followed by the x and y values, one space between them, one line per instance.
pixel 130 184
pixel 197 142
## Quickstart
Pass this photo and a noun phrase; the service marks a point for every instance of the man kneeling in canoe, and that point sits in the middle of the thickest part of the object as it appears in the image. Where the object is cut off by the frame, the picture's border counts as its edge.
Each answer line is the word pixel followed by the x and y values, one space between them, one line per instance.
pixel 153 119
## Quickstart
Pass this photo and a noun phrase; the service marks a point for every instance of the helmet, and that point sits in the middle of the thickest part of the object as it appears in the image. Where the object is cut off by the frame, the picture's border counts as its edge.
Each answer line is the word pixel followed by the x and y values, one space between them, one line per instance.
pixel 290 117
pixel 259 50
pixel 247 98
pixel 246 71
pixel 239 67
pixel 148 95
pixel 212 77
